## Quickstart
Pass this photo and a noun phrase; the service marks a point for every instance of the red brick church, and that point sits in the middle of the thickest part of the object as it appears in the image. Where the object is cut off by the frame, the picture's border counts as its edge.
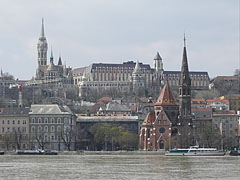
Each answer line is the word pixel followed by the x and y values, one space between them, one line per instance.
pixel 170 124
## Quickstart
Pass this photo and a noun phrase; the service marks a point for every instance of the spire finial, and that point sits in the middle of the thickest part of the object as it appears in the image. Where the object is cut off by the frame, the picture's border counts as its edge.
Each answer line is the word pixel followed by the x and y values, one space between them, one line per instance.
pixel 51 57
pixel 42 31
pixel 184 40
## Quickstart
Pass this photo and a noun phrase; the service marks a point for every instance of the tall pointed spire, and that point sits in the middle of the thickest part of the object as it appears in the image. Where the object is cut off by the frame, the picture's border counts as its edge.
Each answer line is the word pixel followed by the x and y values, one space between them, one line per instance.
pixel 184 39
pixel 51 57
pixel 1 72
pixel 184 68
pixel 158 57
pixel 60 60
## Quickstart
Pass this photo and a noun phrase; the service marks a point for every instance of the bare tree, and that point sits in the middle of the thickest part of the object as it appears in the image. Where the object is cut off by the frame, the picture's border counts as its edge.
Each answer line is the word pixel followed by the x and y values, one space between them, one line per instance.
pixel 39 137
pixel 18 137
pixel 7 140
pixel 68 135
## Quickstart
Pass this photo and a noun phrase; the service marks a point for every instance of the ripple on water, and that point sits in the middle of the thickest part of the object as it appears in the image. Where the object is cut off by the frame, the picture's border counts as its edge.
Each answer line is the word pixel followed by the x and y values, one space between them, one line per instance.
pixel 118 167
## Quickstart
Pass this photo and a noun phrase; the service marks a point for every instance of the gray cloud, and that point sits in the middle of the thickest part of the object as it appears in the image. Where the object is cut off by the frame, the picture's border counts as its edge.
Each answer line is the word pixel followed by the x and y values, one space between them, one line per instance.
pixel 116 31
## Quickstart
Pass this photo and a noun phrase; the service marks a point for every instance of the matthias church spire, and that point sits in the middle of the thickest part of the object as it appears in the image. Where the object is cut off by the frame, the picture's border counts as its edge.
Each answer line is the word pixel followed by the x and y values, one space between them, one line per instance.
pixel 42 30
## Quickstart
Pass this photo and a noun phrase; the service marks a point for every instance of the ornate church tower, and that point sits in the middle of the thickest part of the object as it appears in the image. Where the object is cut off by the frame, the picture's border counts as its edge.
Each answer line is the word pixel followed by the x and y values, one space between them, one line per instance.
pixel 185 129
pixel 42 48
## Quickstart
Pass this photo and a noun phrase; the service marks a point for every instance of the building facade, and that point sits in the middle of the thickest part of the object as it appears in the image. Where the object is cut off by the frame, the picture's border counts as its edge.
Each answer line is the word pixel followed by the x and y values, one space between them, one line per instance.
pixel 227 123
pixel 14 132
pixel 131 76
pixel 51 127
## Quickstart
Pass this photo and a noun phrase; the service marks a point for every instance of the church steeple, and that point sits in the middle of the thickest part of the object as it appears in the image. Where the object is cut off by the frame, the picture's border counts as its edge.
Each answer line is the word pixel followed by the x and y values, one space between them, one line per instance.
pixel 60 60
pixel 51 57
pixel 42 48
pixel 185 138
pixel 185 81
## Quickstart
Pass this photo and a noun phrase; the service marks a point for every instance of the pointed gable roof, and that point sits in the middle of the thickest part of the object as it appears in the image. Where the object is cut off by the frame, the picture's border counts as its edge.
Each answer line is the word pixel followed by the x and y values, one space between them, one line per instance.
pixel 166 97
pixel 157 57
pixel 185 78
pixel 150 119
pixel 137 68
pixel 60 61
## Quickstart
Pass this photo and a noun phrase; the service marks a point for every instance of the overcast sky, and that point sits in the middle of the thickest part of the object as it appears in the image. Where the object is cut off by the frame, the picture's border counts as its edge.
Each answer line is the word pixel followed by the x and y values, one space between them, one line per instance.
pixel 114 31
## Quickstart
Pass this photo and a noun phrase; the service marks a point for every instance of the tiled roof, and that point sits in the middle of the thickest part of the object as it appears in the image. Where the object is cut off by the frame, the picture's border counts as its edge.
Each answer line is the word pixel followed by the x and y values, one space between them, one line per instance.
pixel 14 111
pixel 166 97
pixel 125 64
pixel 105 99
pixel 225 101
pixel 78 71
pixel 198 101
pixel 150 119
pixel 117 107
pixel 191 72
pixel 49 109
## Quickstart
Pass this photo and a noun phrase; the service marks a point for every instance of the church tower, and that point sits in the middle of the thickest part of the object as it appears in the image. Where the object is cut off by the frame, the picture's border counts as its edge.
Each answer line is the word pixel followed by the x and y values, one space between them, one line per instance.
pixel 137 79
pixel 185 130
pixel 158 72
pixel 42 48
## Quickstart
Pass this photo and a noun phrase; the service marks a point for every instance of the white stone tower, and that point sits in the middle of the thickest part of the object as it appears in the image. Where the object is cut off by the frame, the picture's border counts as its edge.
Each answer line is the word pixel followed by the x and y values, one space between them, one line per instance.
pixel 158 70
pixel 137 79
pixel 42 48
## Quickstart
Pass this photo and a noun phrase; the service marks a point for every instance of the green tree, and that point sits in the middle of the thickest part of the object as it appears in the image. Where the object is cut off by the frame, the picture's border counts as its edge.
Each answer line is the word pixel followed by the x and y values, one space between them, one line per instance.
pixel 112 137
pixel 128 141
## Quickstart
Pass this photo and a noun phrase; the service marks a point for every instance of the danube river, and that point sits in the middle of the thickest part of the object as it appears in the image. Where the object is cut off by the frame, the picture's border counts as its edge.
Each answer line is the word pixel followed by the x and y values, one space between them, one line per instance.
pixel 118 167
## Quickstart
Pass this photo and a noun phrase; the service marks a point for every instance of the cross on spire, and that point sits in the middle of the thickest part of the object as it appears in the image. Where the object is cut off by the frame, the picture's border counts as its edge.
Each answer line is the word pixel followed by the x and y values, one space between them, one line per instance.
pixel 184 40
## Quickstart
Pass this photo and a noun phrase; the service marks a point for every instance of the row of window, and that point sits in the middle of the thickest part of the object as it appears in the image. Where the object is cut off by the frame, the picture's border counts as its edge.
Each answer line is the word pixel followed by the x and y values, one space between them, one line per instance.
pixel 14 130
pixel 14 122
pixel 45 129
pixel 49 121
pixel 106 85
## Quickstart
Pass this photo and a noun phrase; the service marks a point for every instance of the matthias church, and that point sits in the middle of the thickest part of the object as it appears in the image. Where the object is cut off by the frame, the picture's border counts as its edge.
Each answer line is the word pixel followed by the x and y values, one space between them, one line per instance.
pixel 50 73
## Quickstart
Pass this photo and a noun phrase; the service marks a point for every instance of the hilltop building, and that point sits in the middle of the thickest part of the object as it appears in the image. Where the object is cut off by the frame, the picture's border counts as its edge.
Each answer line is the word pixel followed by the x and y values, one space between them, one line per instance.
pixel 132 77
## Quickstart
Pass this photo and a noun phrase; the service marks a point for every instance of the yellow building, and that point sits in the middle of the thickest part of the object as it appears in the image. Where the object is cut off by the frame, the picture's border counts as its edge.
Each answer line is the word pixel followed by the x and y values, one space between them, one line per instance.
pixel 14 133
pixel 234 101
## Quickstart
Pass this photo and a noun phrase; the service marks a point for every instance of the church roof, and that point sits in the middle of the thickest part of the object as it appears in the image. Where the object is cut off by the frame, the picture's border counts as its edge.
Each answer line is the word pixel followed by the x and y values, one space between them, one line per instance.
pixel 150 119
pixel 157 57
pixel 166 97
pixel 137 68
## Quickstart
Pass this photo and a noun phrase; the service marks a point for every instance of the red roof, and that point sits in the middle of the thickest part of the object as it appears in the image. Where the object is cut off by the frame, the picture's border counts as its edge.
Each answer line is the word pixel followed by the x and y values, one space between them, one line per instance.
pixel 106 99
pixel 166 97
pixel 150 118
pixel 198 101
pixel 225 101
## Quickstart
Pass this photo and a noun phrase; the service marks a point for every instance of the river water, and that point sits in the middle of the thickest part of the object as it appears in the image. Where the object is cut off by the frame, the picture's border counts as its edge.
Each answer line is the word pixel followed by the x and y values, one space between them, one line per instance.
pixel 118 167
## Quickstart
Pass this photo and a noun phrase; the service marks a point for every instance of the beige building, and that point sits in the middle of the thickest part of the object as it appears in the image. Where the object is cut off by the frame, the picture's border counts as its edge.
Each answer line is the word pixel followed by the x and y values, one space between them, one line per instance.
pixel 51 127
pixel 14 132
pixel 228 124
